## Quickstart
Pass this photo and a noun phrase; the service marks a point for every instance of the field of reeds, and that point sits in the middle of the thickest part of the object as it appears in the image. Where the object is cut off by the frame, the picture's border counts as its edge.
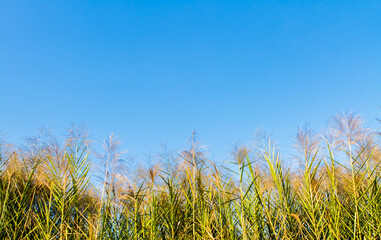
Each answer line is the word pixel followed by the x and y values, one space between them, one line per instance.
pixel 329 189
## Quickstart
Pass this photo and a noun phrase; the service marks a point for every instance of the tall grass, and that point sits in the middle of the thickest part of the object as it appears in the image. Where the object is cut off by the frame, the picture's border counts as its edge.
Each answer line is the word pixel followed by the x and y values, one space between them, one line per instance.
pixel 332 193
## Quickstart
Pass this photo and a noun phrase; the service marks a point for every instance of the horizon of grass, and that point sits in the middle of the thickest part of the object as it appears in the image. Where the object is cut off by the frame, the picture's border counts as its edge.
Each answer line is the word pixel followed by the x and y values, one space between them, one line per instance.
pixel 335 193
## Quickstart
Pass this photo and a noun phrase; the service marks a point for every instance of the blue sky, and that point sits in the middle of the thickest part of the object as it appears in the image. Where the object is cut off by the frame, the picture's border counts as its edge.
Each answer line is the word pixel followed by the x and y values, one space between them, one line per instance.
pixel 153 71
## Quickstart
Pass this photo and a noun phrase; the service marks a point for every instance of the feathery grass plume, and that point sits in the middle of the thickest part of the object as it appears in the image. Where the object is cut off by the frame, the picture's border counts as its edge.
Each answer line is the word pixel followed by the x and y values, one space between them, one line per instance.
pixel 309 194
pixel 46 192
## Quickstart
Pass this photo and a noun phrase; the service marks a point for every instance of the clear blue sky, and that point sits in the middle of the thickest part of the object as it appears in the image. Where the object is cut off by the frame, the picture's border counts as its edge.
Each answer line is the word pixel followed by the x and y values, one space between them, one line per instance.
pixel 153 71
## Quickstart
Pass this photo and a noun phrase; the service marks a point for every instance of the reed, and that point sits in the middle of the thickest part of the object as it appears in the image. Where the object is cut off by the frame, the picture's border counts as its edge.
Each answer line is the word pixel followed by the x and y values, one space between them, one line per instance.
pixel 334 193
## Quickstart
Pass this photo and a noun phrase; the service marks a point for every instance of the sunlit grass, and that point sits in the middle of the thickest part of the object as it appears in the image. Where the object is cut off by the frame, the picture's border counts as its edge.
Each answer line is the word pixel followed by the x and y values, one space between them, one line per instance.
pixel 333 193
